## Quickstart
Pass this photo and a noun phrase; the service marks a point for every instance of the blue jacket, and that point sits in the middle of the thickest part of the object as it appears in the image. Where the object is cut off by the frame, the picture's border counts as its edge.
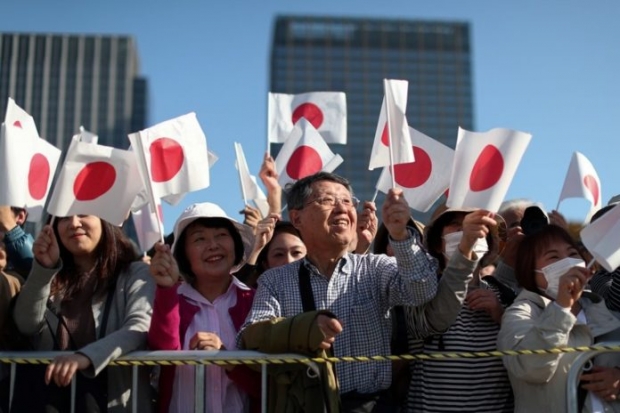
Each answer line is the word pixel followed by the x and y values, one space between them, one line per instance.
pixel 19 251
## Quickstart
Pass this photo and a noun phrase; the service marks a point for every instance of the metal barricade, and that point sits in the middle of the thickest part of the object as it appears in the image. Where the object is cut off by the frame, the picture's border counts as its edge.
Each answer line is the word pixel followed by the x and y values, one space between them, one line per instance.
pixel 572 379
pixel 149 358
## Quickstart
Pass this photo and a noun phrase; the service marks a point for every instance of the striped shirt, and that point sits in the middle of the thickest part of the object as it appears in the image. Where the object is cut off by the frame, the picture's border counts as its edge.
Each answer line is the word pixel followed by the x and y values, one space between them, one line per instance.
pixel 461 385
pixel 360 293
pixel 607 285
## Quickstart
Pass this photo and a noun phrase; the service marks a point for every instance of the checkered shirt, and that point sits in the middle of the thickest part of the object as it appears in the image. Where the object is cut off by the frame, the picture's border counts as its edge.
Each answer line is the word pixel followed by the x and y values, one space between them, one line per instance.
pixel 360 293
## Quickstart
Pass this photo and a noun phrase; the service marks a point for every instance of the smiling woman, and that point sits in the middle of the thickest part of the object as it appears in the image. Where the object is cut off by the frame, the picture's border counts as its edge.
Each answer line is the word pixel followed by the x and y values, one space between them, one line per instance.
pixel 205 311
pixel 88 293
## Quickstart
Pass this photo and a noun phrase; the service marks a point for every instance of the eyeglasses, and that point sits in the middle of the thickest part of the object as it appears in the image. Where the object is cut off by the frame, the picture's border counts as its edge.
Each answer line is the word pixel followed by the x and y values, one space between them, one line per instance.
pixel 330 201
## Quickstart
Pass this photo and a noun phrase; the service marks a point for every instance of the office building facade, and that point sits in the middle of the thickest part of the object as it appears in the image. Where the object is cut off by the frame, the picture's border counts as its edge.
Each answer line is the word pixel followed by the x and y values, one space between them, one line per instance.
pixel 66 81
pixel 355 55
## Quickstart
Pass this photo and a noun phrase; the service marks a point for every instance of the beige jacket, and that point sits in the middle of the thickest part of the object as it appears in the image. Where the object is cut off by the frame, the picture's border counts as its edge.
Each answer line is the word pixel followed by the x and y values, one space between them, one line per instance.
pixel 534 322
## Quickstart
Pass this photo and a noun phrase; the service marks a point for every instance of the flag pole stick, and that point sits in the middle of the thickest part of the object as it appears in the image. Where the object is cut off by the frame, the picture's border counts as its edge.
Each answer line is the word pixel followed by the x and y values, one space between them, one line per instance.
pixel 387 113
pixel 375 195
pixel 590 264
pixel 238 149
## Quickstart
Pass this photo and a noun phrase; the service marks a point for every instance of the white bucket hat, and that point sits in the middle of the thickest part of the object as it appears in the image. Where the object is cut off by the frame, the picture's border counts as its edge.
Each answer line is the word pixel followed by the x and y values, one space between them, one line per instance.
pixel 210 210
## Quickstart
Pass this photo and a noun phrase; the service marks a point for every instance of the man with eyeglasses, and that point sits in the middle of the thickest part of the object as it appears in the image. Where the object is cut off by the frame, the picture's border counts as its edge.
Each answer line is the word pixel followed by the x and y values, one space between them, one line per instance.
pixel 337 301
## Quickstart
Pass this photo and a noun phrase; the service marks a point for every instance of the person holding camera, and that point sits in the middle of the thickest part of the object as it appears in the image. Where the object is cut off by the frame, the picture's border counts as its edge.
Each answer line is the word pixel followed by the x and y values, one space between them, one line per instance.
pixel 553 311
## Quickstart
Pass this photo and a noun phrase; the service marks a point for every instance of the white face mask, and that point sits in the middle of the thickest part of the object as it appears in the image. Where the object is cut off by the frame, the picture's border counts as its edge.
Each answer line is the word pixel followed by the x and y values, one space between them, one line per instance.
pixel 553 272
pixel 452 241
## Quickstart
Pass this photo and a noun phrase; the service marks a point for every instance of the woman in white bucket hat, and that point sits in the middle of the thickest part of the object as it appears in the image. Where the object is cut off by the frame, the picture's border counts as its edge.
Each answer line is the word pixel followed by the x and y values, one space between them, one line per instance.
pixel 200 305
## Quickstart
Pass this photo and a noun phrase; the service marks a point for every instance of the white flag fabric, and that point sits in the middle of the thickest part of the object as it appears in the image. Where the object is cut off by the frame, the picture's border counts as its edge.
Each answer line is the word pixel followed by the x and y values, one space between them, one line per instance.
pixel 304 153
pixel 484 165
pixel 602 239
pixel 424 180
pixel 149 226
pixel 249 187
pixel 394 104
pixel 96 180
pixel 16 151
pixel 582 181
pixel 18 117
pixel 173 155
pixel 326 111
pixel 41 171
pixel 87 136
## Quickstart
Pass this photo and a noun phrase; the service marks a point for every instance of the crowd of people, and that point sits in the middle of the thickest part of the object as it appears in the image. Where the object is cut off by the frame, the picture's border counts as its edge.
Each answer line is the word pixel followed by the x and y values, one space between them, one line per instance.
pixel 332 280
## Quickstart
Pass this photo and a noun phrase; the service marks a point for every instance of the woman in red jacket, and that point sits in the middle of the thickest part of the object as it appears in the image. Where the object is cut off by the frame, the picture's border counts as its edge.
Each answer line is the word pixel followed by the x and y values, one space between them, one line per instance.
pixel 204 311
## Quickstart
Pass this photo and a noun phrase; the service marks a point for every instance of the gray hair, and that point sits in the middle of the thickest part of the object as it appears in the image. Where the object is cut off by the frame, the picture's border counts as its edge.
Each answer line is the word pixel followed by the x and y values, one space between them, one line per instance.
pixel 518 203
pixel 298 193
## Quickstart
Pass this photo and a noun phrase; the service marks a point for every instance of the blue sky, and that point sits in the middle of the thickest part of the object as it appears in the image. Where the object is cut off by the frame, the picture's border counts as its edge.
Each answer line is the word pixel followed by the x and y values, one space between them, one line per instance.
pixel 549 67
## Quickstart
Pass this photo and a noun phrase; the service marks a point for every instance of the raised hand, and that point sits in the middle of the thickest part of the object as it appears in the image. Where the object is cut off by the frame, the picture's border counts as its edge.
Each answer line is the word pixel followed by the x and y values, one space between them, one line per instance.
pixel 571 286
pixel 251 216
pixel 476 225
pixel 164 268
pixel 396 214
pixel 45 248
pixel 486 300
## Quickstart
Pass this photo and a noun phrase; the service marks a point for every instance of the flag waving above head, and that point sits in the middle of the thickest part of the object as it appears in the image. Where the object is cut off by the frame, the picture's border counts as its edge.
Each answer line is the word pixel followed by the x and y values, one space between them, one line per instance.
pixel 18 117
pixel 392 128
pixel 304 153
pixel 326 111
pixel 173 155
pixel 582 182
pixel 249 187
pixel 602 239
pixel 96 180
pixel 41 171
pixel 424 180
pixel 16 152
pixel 484 165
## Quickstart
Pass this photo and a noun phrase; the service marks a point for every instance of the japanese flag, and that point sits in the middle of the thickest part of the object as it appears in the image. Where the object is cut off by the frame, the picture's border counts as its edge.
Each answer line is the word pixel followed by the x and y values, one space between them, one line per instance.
pixel 304 153
pixel 484 165
pixel 18 117
pixel 249 187
pixel 582 182
pixel 424 180
pixel 602 239
pixel 16 151
pixel 326 111
pixel 149 225
pixel 392 128
pixel 41 171
pixel 96 180
pixel 173 155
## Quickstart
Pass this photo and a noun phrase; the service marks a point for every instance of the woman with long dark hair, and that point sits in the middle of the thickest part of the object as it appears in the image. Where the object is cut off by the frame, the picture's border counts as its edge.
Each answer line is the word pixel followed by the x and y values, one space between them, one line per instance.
pixel 87 293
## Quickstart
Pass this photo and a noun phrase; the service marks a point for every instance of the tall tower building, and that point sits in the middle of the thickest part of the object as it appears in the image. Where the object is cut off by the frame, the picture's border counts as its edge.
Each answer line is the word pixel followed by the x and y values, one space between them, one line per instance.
pixel 355 55
pixel 68 80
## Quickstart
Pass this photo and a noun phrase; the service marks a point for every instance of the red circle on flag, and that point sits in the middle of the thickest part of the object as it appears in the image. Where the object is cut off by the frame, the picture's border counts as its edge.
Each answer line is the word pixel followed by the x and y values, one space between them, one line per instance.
pixel 487 170
pixel 414 174
pixel 17 123
pixel 311 112
pixel 38 176
pixel 304 161
pixel 590 182
pixel 385 135
pixel 94 180
pixel 166 159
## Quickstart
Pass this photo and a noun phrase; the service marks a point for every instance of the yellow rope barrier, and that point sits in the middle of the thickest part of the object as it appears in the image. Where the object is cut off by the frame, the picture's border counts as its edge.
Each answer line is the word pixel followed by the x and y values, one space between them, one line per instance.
pixel 346 359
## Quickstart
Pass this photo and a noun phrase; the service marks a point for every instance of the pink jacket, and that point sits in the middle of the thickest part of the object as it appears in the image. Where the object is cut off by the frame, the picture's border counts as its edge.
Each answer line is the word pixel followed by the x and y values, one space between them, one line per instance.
pixel 171 318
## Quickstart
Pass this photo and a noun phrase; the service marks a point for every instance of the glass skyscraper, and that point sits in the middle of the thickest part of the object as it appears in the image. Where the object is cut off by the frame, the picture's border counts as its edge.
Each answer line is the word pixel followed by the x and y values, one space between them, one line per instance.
pixel 69 80
pixel 66 81
pixel 355 55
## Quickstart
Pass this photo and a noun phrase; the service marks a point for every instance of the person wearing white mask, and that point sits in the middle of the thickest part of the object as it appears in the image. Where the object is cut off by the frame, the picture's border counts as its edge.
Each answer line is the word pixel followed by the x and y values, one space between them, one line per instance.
pixel 553 311
pixel 463 317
